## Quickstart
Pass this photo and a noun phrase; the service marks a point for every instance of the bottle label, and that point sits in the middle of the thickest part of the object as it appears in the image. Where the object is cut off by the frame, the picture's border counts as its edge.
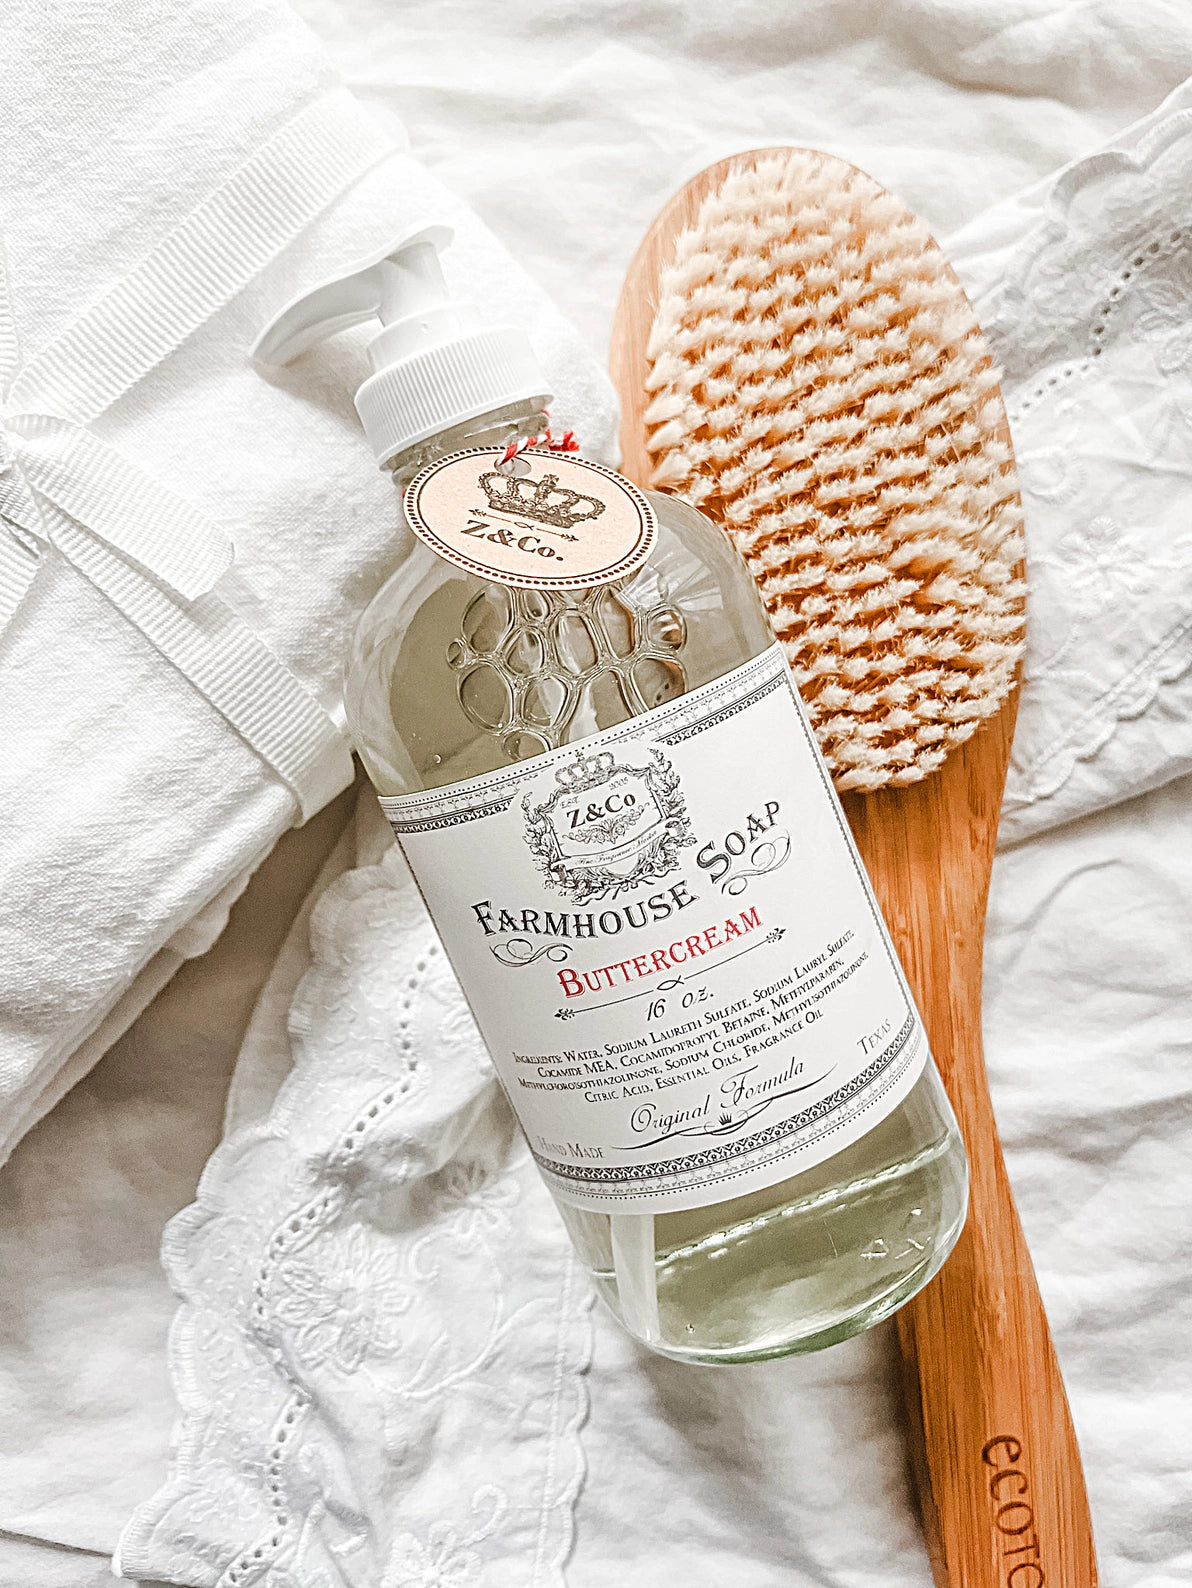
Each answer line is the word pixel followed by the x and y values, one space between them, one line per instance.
pixel 540 521
pixel 671 949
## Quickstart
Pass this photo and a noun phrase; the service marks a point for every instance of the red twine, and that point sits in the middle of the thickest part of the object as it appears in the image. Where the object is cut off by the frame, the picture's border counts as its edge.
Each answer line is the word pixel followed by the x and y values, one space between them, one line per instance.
pixel 564 443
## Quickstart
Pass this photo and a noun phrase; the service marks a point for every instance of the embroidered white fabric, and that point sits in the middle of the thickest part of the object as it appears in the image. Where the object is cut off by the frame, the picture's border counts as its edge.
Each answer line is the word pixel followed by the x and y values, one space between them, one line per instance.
pixel 368 1276
pixel 1083 288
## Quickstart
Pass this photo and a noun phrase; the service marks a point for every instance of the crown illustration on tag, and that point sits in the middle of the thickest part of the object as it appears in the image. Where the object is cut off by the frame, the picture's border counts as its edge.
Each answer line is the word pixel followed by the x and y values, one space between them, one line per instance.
pixel 544 499
pixel 586 771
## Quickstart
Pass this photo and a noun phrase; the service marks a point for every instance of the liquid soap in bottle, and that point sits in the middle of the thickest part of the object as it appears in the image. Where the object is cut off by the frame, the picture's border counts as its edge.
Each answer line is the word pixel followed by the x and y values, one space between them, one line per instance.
pixel 579 724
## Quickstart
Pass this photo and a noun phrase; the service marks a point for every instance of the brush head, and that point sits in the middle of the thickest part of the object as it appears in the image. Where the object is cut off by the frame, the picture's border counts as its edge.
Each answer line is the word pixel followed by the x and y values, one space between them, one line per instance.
pixel 819 385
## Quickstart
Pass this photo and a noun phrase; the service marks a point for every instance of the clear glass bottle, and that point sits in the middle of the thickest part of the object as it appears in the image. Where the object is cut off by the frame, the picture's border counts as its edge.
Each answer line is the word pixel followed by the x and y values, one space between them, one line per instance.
pixel 805 1262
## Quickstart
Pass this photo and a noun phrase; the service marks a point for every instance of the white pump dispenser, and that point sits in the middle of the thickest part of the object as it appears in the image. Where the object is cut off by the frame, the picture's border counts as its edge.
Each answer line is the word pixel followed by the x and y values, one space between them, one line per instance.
pixel 435 364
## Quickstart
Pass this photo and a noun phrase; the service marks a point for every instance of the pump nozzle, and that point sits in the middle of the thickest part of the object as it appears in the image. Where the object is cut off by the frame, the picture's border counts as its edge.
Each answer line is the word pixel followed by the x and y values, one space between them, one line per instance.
pixel 404 279
pixel 434 364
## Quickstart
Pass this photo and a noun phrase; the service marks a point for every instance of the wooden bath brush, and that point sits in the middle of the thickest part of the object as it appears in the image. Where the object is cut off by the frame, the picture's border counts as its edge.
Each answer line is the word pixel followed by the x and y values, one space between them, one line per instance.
pixel 795 356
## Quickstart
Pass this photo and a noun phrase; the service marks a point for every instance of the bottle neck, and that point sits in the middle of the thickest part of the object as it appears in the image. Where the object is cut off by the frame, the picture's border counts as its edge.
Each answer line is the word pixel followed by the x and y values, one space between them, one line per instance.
pixel 517 422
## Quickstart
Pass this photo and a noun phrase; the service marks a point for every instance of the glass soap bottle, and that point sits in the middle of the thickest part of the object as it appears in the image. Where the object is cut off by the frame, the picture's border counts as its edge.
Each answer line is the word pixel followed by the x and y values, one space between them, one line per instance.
pixel 573 709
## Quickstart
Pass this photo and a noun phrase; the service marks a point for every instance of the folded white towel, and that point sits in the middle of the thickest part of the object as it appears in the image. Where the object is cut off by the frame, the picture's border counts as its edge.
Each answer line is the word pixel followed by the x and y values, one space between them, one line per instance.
pixel 183 544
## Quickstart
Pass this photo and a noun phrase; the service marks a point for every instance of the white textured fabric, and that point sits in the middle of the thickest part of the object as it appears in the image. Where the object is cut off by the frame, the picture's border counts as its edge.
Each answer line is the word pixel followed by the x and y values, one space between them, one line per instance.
pixel 84 1307
pixel 384 1334
pixel 26 1563
pixel 1084 288
pixel 183 542
pixel 786 1474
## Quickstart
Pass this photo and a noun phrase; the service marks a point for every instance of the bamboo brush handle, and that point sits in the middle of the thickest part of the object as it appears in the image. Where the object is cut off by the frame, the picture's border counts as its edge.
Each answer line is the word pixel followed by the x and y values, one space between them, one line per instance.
pixel 990 1420
pixel 994 1451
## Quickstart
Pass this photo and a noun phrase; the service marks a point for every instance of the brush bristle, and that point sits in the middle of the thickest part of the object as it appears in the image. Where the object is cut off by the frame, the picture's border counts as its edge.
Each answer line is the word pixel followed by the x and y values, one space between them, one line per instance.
pixel 820 386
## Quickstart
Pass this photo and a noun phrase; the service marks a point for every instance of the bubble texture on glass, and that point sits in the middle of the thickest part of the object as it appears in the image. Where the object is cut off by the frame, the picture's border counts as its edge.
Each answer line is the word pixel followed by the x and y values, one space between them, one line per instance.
pixel 527 660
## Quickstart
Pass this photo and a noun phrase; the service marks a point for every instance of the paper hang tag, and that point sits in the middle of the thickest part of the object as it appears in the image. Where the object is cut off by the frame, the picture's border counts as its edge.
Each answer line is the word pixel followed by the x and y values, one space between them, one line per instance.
pixel 539 521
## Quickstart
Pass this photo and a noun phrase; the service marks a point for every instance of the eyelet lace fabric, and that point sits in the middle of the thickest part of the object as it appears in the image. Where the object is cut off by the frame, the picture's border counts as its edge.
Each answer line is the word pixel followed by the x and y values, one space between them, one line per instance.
pixel 367 1276
pixel 1089 313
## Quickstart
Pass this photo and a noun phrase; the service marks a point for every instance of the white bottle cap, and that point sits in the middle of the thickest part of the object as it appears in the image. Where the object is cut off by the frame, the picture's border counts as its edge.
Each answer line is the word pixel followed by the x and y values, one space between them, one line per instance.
pixel 435 364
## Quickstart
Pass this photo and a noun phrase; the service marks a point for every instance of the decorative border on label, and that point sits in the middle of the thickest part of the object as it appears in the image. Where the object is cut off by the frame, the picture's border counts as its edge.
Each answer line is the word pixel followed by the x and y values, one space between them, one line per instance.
pixel 391 804
pixel 748 1144
pixel 713 717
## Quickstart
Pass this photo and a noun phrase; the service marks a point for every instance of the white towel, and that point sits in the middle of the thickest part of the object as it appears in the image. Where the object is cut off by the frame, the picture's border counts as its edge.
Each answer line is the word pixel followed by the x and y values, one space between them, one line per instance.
pixel 183 544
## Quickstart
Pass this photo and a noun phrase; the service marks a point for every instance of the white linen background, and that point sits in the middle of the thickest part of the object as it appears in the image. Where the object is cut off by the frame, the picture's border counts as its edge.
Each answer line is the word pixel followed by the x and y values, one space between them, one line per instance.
pixel 567 129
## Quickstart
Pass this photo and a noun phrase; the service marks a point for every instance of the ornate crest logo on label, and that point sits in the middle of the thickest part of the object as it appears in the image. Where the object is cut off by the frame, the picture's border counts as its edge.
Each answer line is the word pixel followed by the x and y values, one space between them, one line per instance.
pixel 671 949
pixel 541 521
pixel 607 826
